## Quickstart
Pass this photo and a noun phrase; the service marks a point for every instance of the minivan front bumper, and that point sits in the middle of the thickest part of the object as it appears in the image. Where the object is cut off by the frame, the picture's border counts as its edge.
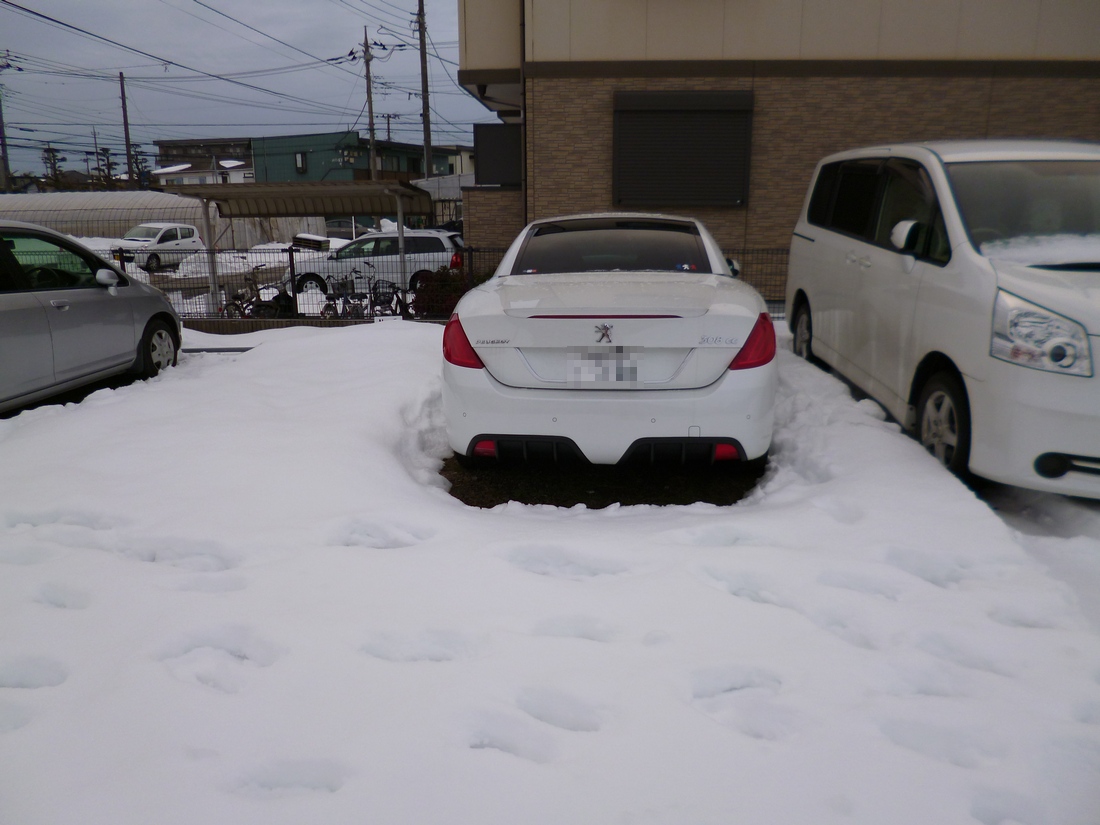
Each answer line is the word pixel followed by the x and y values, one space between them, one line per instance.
pixel 1037 429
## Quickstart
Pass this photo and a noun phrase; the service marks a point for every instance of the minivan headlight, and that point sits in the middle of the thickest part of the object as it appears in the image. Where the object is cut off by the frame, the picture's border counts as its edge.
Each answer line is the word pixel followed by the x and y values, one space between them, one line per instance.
pixel 1031 336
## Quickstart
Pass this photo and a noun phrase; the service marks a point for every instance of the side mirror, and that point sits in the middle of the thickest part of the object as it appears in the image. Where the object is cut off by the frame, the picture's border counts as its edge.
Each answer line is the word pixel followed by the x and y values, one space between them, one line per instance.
pixel 735 267
pixel 904 236
pixel 108 278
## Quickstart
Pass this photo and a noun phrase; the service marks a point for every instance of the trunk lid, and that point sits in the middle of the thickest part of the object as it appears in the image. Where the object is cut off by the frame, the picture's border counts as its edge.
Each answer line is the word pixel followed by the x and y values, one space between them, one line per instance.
pixel 610 331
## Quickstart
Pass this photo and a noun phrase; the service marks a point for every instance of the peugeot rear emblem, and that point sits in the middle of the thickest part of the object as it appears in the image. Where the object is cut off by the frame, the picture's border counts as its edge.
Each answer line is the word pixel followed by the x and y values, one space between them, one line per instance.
pixel 605 333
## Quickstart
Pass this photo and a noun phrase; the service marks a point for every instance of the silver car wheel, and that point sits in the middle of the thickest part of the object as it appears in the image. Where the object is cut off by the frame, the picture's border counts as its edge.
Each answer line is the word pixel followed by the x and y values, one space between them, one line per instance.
pixel 162 350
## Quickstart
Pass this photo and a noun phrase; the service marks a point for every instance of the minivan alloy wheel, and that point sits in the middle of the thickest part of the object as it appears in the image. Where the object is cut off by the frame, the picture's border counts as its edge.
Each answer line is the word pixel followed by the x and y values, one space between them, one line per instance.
pixel 944 421
pixel 803 333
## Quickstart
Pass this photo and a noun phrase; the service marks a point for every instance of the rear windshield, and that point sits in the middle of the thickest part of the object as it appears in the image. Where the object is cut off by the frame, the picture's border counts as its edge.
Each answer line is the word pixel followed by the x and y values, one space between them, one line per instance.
pixel 611 245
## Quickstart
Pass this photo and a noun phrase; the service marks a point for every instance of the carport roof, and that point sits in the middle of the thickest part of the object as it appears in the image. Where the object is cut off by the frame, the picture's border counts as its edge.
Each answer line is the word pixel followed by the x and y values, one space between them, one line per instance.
pixel 283 200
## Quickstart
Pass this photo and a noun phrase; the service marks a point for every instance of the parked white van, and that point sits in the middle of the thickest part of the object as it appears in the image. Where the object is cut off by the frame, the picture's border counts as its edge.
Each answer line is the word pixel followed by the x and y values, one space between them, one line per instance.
pixel 154 245
pixel 958 283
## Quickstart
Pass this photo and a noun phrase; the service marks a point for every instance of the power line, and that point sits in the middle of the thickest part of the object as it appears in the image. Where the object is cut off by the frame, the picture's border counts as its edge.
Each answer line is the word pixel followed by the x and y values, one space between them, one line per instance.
pixel 164 61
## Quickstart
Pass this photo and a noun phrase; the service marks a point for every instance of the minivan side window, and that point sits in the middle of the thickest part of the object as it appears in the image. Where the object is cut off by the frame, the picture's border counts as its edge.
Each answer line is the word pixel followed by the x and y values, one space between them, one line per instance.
pixel 844 198
pixel 908 195
pixel 867 198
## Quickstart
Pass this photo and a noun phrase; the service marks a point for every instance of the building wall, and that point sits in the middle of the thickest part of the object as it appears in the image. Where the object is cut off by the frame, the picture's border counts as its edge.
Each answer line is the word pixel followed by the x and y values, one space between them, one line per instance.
pixel 801 113
pixel 492 217
pixel 571 30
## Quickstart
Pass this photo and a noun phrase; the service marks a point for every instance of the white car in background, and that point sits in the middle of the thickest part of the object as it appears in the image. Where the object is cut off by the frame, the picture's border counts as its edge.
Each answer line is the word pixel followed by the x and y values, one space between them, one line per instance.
pixel 154 245
pixel 611 338
pixel 375 256
pixel 958 283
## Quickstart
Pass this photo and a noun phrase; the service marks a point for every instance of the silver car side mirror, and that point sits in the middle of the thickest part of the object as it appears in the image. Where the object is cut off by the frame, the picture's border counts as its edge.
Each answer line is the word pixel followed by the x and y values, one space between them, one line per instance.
pixel 109 279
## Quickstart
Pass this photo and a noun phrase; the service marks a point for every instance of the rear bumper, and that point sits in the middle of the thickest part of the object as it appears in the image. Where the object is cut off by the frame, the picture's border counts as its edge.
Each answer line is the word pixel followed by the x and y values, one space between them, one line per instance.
pixel 605 425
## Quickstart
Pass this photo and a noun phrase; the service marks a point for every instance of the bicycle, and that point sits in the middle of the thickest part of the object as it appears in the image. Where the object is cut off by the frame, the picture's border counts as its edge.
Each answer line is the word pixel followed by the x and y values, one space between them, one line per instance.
pixel 249 303
pixel 344 302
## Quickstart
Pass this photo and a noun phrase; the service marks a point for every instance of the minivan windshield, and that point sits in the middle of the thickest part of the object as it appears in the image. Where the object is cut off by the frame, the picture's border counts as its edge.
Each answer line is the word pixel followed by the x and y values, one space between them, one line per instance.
pixel 1038 212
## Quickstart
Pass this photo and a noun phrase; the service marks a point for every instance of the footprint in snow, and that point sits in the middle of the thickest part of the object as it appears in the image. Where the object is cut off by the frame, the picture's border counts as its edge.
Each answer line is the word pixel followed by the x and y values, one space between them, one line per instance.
pixel 64 598
pixel 842 510
pixel 712 535
pixel 935 568
pixel 1001 807
pixel 221 659
pixel 966 654
pixel 378 535
pixel 12 717
pixel 423 646
pixel 291 777
pixel 866 583
pixel 973 748
pixel 22 554
pixel 559 709
pixel 32 672
pixel 576 627
pixel 744 699
pixel 745 584
pixel 195 555
pixel 512 735
pixel 561 562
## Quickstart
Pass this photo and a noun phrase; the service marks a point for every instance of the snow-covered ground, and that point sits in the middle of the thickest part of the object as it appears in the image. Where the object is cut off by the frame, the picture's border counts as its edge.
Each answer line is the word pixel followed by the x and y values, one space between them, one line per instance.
pixel 240 593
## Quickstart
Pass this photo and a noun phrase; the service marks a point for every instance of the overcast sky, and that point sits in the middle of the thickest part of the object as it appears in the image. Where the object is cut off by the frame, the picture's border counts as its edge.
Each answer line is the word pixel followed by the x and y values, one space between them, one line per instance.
pixel 220 68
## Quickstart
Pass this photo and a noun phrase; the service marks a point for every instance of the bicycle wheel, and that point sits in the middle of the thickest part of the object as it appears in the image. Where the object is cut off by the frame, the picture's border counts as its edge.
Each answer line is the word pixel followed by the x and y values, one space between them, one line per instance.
pixel 328 310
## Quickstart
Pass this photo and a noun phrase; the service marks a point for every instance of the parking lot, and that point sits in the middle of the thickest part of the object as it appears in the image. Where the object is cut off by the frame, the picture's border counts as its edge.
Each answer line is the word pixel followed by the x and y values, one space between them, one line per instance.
pixel 246 581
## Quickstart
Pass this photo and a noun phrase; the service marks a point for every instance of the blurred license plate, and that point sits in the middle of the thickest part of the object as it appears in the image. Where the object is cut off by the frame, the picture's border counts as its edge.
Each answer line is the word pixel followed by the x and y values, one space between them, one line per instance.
pixel 607 365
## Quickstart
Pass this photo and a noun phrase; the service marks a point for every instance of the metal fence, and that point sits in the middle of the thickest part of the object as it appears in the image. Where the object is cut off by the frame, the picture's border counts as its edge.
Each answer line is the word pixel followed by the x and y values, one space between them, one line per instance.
pixel 257 283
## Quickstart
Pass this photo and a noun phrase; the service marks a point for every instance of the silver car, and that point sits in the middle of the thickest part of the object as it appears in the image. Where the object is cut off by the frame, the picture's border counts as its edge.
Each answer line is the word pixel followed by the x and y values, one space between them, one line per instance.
pixel 68 318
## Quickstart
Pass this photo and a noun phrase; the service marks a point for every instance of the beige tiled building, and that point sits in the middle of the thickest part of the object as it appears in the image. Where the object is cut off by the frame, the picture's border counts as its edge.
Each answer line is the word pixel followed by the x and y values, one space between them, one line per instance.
pixel 721 108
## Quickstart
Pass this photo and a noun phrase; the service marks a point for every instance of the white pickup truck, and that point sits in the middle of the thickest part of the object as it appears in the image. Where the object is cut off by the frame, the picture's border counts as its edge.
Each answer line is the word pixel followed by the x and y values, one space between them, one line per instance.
pixel 155 245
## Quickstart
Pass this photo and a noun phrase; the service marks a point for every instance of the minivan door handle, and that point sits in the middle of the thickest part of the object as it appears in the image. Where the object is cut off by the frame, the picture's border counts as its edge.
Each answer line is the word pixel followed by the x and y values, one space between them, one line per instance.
pixel 864 262
pixel 59 305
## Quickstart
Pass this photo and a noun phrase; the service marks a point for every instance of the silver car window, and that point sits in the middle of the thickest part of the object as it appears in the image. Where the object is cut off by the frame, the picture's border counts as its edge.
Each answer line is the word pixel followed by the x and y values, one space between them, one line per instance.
pixel 44 264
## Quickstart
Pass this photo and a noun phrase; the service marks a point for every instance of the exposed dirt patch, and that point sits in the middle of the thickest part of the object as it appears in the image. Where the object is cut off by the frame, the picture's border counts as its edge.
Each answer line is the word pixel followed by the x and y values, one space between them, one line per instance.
pixel 597 487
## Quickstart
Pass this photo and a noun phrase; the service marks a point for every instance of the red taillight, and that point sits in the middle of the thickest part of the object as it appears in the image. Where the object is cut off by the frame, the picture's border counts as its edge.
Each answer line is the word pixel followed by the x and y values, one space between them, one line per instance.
pixel 456 346
pixel 456 260
pixel 726 452
pixel 485 449
pixel 759 349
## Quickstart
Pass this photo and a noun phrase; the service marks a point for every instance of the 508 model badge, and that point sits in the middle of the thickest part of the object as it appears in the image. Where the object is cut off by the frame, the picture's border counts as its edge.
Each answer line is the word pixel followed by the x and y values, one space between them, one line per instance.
pixel 605 332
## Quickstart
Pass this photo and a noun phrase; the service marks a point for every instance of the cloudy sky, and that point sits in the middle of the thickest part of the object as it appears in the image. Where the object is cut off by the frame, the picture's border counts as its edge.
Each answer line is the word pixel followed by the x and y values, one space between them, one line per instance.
pixel 220 68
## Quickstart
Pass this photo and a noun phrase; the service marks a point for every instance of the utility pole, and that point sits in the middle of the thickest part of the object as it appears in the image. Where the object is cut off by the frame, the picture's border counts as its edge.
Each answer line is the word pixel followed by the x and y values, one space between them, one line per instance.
pixel 133 184
pixel 95 145
pixel 422 28
pixel 5 172
pixel 367 58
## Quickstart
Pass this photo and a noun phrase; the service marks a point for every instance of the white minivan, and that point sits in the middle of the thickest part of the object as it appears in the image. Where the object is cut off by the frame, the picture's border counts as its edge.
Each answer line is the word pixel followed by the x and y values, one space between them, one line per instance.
pixel 958 283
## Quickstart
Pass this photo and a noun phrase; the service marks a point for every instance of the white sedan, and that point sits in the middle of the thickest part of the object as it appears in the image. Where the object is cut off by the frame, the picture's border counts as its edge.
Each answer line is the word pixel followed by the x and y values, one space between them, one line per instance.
pixel 611 338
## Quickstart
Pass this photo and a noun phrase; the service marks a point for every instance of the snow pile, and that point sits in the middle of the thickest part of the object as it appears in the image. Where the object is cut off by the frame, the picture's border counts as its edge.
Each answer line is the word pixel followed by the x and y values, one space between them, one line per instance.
pixel 240 593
